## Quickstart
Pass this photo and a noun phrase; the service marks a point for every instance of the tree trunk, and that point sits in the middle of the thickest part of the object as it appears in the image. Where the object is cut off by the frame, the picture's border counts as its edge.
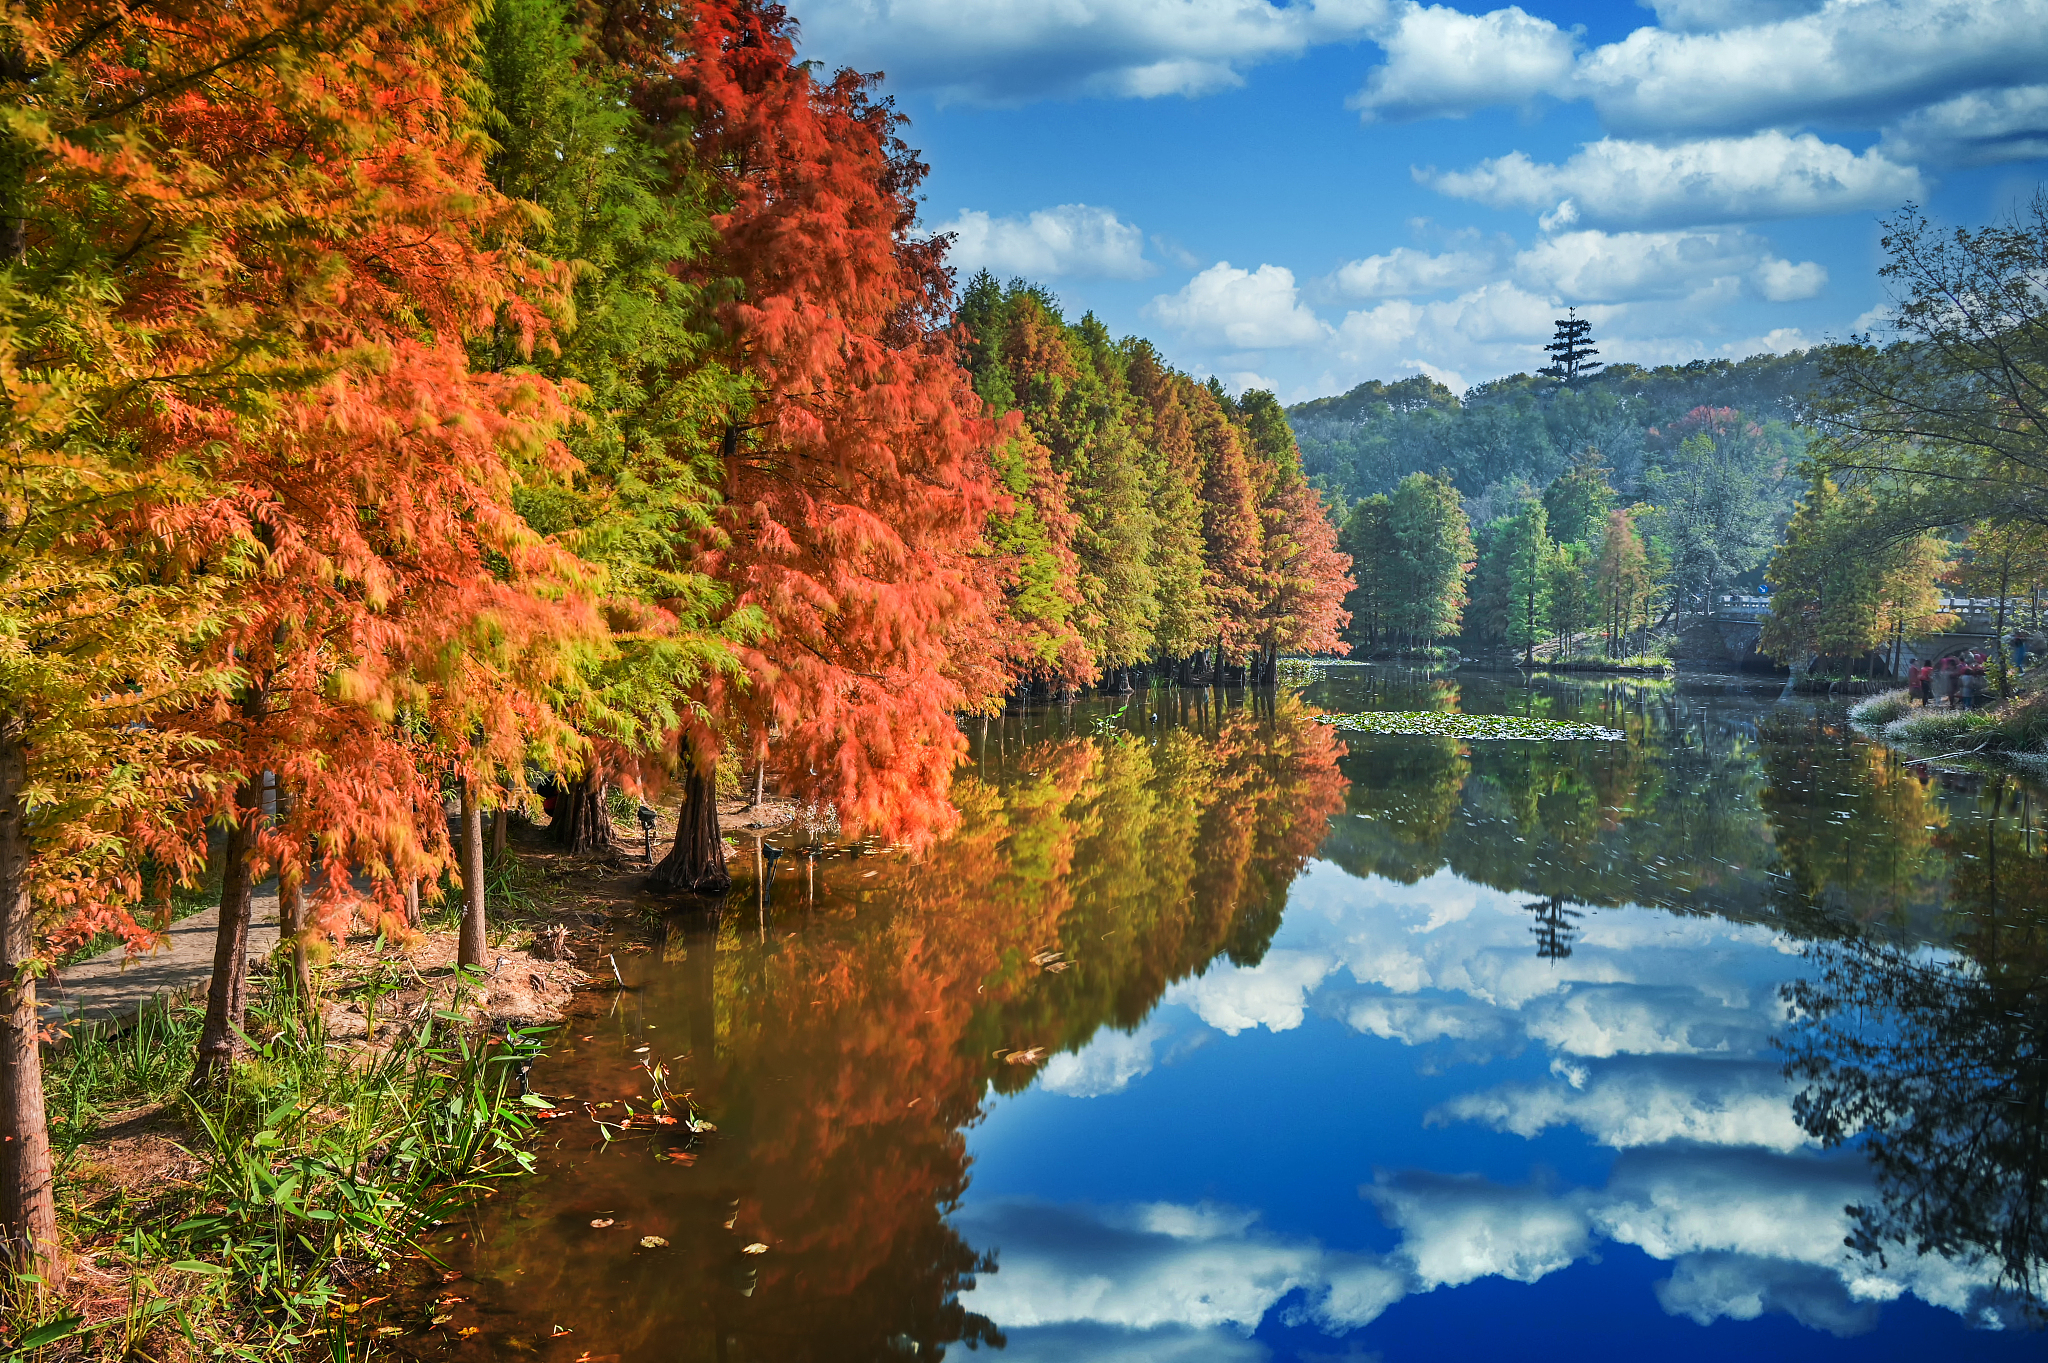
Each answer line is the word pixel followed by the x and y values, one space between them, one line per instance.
pixel 226 991
pixel 582 823
pixel 291 920
pixel 1998 630
pixel 696 864
pixel 500 818
pixel 412 902
pixel 28 1207
pixel 469 945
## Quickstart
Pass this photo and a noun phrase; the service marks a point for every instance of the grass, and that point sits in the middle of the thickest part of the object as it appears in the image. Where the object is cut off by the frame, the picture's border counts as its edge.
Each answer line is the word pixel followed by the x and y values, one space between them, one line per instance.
pixel 1880 710
pixel 1937 728
pixel 229 1224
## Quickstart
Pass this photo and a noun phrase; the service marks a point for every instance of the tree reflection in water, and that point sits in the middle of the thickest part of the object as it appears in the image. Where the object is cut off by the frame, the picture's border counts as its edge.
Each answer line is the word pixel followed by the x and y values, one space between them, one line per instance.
pixel 844 1045
pixel 1934 1063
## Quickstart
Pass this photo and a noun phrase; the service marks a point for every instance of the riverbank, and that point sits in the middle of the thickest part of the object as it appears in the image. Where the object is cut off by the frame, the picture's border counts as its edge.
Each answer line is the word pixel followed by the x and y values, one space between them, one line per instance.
pixel 2013 736
pixel 253 1221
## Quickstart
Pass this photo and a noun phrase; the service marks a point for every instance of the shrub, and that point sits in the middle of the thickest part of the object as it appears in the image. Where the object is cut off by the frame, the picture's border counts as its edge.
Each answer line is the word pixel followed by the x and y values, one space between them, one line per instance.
pixel 1880 710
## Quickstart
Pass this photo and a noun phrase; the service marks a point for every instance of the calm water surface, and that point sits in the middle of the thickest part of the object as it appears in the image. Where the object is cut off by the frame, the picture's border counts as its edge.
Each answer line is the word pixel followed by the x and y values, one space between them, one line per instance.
pixel 1215 1034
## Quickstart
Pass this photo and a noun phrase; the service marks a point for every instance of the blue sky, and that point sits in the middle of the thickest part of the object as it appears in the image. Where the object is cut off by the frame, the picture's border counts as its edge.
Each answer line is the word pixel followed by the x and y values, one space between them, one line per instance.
pixel 1304 196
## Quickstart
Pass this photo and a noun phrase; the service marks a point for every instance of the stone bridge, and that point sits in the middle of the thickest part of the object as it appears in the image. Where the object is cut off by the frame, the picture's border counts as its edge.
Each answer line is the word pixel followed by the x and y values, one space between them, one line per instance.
pixel 1731 634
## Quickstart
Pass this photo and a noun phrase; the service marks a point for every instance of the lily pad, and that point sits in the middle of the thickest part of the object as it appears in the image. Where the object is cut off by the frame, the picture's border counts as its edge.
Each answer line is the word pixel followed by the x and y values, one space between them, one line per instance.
pixel 1434 724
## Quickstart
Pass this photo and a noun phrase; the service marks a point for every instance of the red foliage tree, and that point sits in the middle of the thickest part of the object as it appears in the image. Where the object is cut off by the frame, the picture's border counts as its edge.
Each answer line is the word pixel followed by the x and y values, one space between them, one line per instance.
pixel 301 215
pixel 857 485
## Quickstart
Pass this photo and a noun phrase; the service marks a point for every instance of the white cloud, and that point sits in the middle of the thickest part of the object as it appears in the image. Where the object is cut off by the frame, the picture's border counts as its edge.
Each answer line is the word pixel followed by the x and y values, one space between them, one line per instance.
pixel 1139 1269
pixel 1106 1064
pixel 1782 281
pixel 1444 63
pixel 1072 241
pixel 1457 1229
pixel 1708 1287
pixel 1718 66
pixel 1648 1103
pixel 1634 1019
pixel 1979 128
pixel 1011 51
pixel 1847 60
pixel 1246 309
pixel 1271 994
pixel 1404 271
pixel 1711 16
pixel 1641 184
pixel 1613 267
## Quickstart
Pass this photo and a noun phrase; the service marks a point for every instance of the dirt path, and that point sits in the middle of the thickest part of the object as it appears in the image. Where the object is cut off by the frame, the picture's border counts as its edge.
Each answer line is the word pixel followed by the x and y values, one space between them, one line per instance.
pixel 112 987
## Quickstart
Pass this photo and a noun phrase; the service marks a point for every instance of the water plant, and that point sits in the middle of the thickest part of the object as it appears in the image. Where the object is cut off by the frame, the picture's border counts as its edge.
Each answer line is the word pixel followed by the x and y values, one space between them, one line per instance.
pixel 1482 727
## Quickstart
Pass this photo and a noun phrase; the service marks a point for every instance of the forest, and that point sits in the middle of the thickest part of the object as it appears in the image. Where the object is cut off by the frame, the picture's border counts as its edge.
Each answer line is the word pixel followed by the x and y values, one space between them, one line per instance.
pixel 417 409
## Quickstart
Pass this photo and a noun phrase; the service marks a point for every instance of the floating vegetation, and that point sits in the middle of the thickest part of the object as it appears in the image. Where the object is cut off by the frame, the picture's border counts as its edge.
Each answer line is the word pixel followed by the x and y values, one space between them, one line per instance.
pixel 1435 724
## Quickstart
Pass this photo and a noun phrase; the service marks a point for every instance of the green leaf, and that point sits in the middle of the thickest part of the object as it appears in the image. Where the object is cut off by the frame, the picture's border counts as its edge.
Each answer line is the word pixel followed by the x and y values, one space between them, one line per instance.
pixel 62 1328
pixel 535 1100
pixel 194 1266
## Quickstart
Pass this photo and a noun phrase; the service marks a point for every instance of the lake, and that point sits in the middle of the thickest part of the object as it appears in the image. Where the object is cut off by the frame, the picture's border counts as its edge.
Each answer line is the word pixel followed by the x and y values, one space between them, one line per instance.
pixel 1213 1033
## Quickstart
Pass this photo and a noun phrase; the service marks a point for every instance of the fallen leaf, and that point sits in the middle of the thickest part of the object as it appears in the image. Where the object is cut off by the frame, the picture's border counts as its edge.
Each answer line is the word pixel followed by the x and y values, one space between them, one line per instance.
pixel 559 1331
pixel 652 1242
pixel 601 1222
pixel 756 1248
pixel 640 1050
pixel 451 1275
pixel 466 1331
pixel 1030 1057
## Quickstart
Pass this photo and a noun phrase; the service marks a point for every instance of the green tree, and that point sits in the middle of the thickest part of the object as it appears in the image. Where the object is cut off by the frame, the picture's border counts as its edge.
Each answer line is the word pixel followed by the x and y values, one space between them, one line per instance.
pixel 1715 489
pixel 1573 592
pixel 1578 501
pixel 1368 539
pixel 1526 553
pixel 1432 556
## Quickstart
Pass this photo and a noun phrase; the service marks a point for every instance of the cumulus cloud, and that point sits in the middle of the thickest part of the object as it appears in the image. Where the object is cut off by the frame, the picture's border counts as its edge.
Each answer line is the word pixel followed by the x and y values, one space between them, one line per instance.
pixel 1642 1103
pixel 1612 267
pixel 1138 1269
pixel 1642 184
pixel 1846 60
pixel 1404 271
pixel 1711 16
pixel 1107 1064
pixel 1246 309
pixel 1272 994
pixel 1979 128
pixel 1445 63
pixel 1708 1287
pixel 1011 51
pixel 1072 241
pixel 1716 66
pixel 1455 1229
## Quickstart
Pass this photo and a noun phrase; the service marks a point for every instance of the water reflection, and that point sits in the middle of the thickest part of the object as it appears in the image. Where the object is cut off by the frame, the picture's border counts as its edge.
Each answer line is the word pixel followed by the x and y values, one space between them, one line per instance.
pixel 846 1021
pixel 1657 1026
pixel 1939 1062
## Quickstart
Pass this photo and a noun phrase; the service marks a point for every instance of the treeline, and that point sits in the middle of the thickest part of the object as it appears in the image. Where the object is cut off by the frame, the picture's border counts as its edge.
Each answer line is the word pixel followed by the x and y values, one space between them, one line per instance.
pixel 410 405
pixel 1528 428
pixel 1159 523
pixel 1578 565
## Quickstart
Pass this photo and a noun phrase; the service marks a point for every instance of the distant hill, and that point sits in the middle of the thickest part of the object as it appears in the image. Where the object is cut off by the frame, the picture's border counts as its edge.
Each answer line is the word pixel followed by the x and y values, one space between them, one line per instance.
pixel 1527 428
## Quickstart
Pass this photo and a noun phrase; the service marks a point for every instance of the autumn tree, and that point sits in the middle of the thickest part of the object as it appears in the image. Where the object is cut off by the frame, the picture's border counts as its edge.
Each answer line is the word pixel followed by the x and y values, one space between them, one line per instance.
pixel 644 485
pixel 855 481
